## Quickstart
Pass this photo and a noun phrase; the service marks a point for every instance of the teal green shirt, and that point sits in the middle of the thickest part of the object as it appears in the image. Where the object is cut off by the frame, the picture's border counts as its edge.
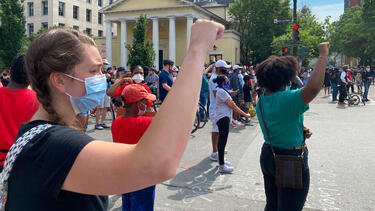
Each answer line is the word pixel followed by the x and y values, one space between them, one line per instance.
pixel 283 114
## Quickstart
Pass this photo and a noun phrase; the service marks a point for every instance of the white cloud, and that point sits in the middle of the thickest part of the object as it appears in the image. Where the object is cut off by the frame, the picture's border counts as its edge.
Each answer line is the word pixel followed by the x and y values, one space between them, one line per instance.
pixel 333 10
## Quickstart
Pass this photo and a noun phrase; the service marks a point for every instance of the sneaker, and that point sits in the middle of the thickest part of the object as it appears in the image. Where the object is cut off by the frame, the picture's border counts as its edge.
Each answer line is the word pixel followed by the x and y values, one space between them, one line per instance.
pixel 104 126
pixel 234 123
pixel 240 124
pixel 226 169
pixel 226 163
pixel 367 100
pixel 214 156
pixel 99 127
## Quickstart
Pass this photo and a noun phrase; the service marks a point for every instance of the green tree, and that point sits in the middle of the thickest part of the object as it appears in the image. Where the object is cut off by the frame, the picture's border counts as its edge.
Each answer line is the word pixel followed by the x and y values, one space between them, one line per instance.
pixel 254 19
pixel 368 16
pixel 12 30
pixel 352 34
pixel 141 50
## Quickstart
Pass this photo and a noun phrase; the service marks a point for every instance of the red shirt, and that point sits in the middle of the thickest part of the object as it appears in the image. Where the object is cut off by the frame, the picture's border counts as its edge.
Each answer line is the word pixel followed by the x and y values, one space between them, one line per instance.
pixel 349 75
pixel 128 130
pixel 121 88
pixel 16 108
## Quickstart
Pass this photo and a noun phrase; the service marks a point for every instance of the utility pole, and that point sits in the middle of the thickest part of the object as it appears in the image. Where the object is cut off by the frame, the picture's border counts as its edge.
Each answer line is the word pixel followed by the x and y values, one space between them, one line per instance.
pixel 294 22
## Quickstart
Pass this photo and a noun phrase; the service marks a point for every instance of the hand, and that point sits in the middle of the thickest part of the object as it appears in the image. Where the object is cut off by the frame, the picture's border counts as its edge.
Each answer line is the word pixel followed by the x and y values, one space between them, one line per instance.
pixel 204 33
pixel 122 81
pixel 247 116
pixel 324 48
pixel 233 93
pixel 307 132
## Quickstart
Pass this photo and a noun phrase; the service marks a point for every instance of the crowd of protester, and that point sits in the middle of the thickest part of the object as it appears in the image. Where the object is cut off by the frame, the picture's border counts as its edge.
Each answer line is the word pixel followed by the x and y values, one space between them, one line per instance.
pixel 60 167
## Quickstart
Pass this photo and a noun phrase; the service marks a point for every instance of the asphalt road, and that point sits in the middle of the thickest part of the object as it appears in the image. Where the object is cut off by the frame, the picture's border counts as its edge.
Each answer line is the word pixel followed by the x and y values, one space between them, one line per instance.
pixel 341 160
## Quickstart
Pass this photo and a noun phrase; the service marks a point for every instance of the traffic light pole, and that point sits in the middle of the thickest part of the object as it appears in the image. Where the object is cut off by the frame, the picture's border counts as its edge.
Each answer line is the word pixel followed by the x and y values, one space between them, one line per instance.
pixel 294 22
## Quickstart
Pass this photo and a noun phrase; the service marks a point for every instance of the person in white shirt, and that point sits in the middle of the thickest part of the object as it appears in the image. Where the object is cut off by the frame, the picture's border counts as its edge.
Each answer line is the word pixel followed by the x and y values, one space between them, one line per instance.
pixel 220 67
pixel 342 86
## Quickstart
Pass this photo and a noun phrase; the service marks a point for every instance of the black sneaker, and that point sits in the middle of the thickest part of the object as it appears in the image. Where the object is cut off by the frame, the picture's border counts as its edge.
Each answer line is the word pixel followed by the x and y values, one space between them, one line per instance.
pixel 104 126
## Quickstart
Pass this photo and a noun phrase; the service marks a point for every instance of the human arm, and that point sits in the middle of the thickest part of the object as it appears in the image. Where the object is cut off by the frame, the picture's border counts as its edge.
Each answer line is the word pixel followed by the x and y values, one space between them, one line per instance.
pixel 236 109
pixel 103 168
pixel 207 69
pixel 166 87
pixel 312 89
pixel 119 82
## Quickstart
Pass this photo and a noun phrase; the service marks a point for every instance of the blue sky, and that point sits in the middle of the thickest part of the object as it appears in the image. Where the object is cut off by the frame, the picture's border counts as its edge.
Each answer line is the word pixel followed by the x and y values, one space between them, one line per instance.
pixel 324 8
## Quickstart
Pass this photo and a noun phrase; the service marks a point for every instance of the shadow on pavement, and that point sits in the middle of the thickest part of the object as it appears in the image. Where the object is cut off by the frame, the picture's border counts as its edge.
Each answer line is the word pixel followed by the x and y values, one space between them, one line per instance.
pixel 195 181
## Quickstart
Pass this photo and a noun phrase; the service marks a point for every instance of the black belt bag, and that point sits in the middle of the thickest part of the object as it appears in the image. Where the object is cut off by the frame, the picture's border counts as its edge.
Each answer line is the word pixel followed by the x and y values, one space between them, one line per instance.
pixel 288 168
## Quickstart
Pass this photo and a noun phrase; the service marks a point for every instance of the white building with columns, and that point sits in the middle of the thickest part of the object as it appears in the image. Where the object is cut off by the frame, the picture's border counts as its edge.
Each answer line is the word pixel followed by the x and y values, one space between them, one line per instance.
pixel 169 28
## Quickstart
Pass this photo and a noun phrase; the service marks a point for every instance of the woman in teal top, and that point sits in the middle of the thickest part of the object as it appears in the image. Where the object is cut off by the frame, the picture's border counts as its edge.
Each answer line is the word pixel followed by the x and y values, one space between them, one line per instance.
pixel 283 114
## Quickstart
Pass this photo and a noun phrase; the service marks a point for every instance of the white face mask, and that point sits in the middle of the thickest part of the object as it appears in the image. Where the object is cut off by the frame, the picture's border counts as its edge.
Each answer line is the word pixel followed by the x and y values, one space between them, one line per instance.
pixel 138 78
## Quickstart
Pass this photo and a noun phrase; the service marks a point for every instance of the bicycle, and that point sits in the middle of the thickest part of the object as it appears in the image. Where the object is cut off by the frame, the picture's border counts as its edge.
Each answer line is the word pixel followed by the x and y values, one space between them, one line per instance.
pixel 354 99
pixel 205 114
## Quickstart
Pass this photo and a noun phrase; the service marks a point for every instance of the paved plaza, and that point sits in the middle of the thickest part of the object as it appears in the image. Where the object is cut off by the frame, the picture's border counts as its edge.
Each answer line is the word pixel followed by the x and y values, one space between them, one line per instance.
pixel 340 157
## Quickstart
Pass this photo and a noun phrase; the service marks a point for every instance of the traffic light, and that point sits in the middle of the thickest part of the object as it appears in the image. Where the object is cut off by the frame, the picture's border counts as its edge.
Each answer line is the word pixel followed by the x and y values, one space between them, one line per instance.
pixel 296 32
pixel 285 51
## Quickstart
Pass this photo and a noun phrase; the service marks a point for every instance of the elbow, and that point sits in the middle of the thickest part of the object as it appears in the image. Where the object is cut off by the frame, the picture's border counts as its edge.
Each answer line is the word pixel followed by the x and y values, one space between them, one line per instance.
pixel 168 174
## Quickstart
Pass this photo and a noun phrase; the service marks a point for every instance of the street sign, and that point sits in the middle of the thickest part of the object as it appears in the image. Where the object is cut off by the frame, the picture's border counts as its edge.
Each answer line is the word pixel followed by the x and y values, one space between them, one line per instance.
pixel 282 20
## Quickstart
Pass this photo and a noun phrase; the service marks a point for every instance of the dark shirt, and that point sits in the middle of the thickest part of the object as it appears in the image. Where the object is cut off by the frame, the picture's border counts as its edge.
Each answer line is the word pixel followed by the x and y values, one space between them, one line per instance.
pixel 247 93
pixel 41 168
pixel 326 78
pixel 335 77
pixel 164 78
pixel 365 76
pixel 235 84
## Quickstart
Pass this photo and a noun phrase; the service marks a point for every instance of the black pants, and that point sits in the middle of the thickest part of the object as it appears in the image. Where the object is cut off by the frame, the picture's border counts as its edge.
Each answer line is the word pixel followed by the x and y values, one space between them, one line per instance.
pixel 223 125
pixel 342 90
pixel 350 86
pixel 283 199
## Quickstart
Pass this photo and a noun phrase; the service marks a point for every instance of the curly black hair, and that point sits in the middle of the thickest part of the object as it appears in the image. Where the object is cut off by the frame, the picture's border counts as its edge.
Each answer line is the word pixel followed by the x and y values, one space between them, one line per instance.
pixel 17 71
pixel 276 72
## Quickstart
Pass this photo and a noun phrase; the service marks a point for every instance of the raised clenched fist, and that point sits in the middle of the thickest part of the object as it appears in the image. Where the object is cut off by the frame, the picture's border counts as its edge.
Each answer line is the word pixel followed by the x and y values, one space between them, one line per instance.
pixel 324 48
pixel 204 33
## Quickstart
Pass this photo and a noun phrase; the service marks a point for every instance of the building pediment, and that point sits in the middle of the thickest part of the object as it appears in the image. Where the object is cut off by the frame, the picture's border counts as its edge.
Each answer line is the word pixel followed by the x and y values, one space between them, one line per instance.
pixel 144 6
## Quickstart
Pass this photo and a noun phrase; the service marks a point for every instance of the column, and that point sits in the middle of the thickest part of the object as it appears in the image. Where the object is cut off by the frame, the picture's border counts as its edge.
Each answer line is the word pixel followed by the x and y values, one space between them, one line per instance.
pixel 188 30
pixel 108 41
pixel 172 39
pixel 124 56
pixel 155 40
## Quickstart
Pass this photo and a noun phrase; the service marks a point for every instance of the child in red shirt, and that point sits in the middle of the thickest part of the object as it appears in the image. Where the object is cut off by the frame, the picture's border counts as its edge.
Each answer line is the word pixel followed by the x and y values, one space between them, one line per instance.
pixel 128 129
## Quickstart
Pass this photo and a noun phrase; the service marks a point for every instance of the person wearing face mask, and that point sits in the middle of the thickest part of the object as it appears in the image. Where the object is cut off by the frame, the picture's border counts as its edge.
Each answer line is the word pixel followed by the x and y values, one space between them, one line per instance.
pixel 128 129
pixel 223 113
pixel 54 166
pixel 165 79
pixel 174 72
pixel 136 78
pixel 366 79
